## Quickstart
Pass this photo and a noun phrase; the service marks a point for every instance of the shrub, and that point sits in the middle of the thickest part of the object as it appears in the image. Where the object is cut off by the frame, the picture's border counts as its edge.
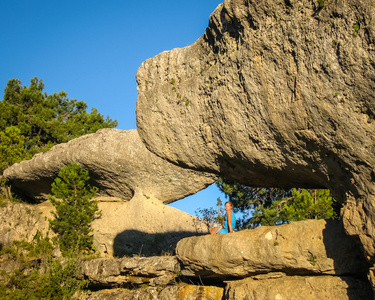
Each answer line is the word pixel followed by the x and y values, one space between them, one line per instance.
pixel 60 282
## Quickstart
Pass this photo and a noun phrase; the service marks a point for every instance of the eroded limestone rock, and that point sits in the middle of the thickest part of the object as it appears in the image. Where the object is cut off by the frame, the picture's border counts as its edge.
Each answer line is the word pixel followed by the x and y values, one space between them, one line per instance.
pixel 181 292
pixel 275 93
pixel 134 186
pixel 119 165
pixel 306 247
pixel 22 222
pixel 142 226
pixel 136 271
pixel 299 287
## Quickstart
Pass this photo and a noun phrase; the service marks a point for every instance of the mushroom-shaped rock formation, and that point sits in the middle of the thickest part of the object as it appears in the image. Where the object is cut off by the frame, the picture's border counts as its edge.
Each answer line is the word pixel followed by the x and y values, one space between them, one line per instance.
pixel 134 183
pixel 119 165
pixel 275 93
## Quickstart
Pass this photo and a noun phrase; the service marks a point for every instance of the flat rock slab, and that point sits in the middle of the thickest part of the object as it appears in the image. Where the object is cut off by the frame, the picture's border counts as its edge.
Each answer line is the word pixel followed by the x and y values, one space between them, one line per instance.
pixel 135 271
pixel 118 163
pixel 305 247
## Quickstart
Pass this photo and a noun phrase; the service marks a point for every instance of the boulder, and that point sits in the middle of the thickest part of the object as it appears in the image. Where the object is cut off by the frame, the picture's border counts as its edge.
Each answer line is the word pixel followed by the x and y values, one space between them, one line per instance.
pixel 118 163
pixel 312 247
pixel 275 93
pixel 278 286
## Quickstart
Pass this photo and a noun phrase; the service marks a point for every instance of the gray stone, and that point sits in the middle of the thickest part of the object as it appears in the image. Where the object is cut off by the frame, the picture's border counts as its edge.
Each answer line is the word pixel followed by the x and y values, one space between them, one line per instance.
pixel 275 93
pixel 305 247
pixel 119 165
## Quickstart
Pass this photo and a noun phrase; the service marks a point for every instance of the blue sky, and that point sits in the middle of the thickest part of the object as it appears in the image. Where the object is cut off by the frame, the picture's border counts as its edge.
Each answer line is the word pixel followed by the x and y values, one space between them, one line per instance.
pixel 92 49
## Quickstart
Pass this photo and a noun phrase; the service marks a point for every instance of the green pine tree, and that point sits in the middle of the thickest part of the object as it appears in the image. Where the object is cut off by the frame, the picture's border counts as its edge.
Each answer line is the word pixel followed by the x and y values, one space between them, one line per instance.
pixel 310 204
pixel 273 206
pixel 75 210
pixel 12 146
pixel 45 120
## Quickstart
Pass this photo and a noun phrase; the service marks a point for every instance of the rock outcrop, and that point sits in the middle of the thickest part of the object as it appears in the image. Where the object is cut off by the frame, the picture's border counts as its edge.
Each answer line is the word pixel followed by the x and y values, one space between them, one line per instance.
pixel 275 93
pixel 134 187
pixel 134 271
pixel 119 165
pixel 312 247
pixel 180 292
pixel 280 286
pixel 142 226
pixel 22 222
pixel 312 259
pixel 302 260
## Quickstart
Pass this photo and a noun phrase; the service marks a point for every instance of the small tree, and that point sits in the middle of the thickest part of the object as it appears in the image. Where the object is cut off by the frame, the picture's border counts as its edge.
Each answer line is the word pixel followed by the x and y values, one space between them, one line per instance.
pixel 211 215
pixel 275 206
pixel 310 204
pixel 75 210
pixel 31 121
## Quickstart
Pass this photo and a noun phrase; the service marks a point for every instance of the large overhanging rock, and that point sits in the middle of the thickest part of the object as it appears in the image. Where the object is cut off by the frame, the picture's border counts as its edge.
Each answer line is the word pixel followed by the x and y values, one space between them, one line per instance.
pixel 300 248
pixel 119 165
pixel 275 93
pixel 134 183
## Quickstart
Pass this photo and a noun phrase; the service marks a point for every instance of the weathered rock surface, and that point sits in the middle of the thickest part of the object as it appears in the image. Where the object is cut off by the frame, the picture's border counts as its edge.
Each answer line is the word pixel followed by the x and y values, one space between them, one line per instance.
pixel 180 292
pixel 306 247
pixel 119 165
pixel 143 226
pixel 275 93
pixel 278 286
pixel 22 222
pixel 157 270
pixel 135 185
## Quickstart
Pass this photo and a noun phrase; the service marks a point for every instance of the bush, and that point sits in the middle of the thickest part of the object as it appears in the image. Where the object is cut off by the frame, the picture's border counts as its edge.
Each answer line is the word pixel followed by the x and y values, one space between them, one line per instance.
pixel 60 282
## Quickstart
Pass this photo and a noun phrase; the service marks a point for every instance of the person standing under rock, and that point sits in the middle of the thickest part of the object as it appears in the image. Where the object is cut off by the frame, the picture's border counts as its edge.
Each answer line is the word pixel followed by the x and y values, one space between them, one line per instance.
pixel 229 221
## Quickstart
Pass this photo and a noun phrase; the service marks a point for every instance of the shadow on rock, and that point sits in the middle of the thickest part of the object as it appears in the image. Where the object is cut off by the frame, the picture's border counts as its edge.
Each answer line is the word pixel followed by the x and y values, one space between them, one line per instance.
pixel 348 254
pixel 344 251
pixel 134 242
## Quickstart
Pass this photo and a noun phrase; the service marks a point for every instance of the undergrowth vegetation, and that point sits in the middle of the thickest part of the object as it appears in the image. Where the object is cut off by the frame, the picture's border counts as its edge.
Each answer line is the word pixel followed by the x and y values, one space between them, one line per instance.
pixel 37 275
pixel 48 268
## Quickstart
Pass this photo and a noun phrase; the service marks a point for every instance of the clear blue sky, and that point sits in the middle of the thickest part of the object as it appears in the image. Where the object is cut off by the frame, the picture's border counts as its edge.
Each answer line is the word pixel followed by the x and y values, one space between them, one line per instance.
pixel 92 49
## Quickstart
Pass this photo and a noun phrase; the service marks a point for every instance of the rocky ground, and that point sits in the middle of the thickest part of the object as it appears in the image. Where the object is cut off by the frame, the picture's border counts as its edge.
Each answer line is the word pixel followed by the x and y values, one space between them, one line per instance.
pixel 312 259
